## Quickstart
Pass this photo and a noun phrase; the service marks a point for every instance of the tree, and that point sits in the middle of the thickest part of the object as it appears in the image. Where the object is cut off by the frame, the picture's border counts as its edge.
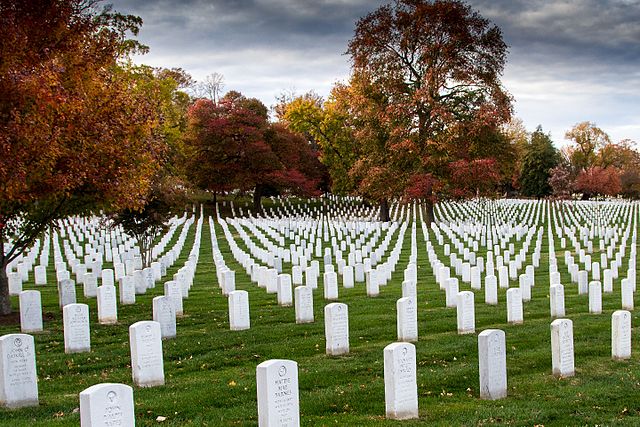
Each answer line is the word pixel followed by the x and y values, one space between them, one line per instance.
pixel 166 196
pixel 474 178
pixel 588 139
pixel 600 181
pixel 540 156
pixel 560 181
pixel 211 87
pixel 75 130
pixel 433 71
pixel 232 146
pixel 327 125
pixel 167 193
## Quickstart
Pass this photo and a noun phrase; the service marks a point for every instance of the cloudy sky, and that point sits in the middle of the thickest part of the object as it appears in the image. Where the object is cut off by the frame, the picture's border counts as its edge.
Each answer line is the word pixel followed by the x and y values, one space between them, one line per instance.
pixel 569 60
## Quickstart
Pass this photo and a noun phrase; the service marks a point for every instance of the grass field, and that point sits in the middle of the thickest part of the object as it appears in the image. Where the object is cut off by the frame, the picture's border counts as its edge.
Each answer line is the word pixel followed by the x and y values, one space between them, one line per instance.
pixel 210 370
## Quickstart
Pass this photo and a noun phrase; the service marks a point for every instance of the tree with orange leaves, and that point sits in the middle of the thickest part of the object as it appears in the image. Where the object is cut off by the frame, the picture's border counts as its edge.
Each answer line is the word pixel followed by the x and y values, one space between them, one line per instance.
pixel 76 129
pixel 430 71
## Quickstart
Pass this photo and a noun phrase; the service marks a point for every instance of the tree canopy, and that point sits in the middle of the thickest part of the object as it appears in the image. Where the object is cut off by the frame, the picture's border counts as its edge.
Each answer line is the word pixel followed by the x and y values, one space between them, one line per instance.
pixel 231 145
pixel 76 127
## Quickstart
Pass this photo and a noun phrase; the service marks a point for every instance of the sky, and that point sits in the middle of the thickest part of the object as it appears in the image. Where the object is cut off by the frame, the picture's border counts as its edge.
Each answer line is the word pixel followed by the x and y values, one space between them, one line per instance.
pixel 569 61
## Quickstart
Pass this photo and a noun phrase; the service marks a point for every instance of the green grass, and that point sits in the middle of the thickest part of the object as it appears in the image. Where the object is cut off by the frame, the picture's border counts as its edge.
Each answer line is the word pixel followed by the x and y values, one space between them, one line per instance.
pixel 210 370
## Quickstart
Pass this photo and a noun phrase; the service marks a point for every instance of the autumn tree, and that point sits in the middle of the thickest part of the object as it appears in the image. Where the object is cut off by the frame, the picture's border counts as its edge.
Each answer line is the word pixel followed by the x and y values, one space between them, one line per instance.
pixel 434 68
pixel 232 146
pixel 560 181
pixel 588 140
pixel 540 156
pixel 75 131
pixel 598 181
pixel 167 193
pixel 475 178
pixel 328 125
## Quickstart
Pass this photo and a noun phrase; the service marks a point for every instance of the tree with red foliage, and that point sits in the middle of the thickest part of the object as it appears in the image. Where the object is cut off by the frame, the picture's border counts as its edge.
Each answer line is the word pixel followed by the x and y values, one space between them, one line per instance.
pixel 231 145
pixel 600 181
pixel 76 130
pixel 474 178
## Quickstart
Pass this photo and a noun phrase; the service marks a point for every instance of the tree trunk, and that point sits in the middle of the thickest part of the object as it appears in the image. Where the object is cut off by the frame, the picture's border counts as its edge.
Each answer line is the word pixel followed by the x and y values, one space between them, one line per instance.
pixel 215 202
pixel 257 199
pixel 429 211
pixel 5 299
pixel 384 211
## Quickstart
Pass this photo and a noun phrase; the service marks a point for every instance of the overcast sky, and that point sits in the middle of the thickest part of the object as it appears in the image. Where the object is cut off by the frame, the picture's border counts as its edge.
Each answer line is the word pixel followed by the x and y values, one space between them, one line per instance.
pixel 569 60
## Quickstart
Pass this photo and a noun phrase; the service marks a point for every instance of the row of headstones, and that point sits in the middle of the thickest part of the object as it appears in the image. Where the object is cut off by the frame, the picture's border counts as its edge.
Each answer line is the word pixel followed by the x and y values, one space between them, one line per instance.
pixel 277 380
pixel 76 316
pixel 18 376
pixel 300 249
pixel 357 272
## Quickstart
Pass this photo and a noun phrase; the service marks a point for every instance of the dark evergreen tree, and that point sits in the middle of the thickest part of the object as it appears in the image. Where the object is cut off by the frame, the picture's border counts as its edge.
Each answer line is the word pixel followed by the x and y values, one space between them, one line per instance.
pixel 539 158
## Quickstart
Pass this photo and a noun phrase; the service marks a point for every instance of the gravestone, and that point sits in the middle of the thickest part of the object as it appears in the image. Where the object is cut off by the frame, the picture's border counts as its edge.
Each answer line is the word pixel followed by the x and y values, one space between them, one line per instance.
pixel 627 294
pixel 30 311
pixel 90 285
pixel 228 282
pixel 107 277
pixel 172 290
pixel 40 272
pixel 562 348
pixel 15 283
pixel 107 305
pixel 164 312
pixel 107 404
pixel 330 286
pixel 491 290
pixel 67 292
pixel 583 285
pixel 621 335
pixel 285 294
pixel 476 282
pixel 466 313
pixel 145 341
pixel 358 270
pixel 595 298
pixel 492 360
pixel 271 281
pixel 139 282
pixel 18 381
pixel 77 335
pixel 127 290
pixel 304 304
pixel 608 281
pixel 409 290
pixel 407 319
pixel 503 277
pixel 347 277
pixel 515 313
pixel 296 275
pixel 451 292
pixel 278 396
pixel 311 277
pixel 336 328
pixel 525 287
pixel 556 301
pixel 239 310
pixel 372 283
pixel 400 381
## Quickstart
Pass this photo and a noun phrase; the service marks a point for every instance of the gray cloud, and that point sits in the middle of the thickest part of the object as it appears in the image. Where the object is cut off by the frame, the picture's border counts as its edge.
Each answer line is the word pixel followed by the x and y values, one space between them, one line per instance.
pixel 570 60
